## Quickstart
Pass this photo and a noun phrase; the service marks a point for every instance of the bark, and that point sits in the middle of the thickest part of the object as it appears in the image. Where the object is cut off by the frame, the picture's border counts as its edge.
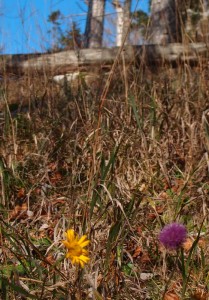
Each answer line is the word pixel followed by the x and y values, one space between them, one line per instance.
pixel 126 20
pixel 122 22
pixel 119 23
pixel 95 24
pixel 88 23
pixel 165 23
pixel 68 61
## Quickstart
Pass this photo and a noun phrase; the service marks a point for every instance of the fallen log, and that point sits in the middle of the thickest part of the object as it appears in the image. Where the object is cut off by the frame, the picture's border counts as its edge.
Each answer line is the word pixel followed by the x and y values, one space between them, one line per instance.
pixel 71 60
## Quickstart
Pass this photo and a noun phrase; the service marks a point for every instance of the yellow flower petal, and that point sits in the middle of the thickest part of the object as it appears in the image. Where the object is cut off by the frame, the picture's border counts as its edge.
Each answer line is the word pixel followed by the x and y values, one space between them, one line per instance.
pixel 68 255
pixel 82 241
pixel 66 244
pixel 85 252
pixel 84 258
pixel 81 264
pixel 75 248
pixel 70 235
pixel 84 244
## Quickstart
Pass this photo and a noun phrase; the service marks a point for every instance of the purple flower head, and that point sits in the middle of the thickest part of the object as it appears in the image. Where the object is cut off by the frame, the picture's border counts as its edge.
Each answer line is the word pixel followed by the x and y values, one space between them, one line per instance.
pixel 173 235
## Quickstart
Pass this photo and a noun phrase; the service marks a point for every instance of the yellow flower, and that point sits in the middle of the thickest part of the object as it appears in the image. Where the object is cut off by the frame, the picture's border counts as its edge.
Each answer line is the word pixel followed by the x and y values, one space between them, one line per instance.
pixel 75 248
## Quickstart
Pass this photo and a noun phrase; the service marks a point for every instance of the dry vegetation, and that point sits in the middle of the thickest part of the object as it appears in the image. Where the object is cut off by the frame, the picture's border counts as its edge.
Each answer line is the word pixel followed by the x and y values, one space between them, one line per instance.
pixel 117 166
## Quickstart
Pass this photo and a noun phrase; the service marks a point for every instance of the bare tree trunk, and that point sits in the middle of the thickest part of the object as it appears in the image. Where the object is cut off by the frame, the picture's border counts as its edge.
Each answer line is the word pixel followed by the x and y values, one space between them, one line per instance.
pixel 123 21
pixel 165 23
pixel 95 24
pixel 126 19
pixel 88 23
pixel 119 22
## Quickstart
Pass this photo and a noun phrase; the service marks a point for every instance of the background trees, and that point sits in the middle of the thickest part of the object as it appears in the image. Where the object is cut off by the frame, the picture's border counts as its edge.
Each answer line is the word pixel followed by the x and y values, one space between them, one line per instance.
pixel 178 20
pixel 138 30
pixel 165 22
pixel 70 38
pixel 169 21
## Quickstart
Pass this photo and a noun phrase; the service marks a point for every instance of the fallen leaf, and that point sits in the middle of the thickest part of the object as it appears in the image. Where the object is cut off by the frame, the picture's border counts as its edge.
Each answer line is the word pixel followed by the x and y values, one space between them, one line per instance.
pixel 160 209
pixel 145 258
pixel 187 245
pixel 137 252
pixel 99 279
pixel 189 242
pixel 52 166
pixel 18 212
pixel 199 295
pixel 24 207
pixel 164 195
pixel 139 230
pixel 50 259
pixel 179 183
pixel 58 201
pixel 151 216
pixel 171 296
pixel 37 191
pixel 202 243
pixel 56 177
pixel 21 193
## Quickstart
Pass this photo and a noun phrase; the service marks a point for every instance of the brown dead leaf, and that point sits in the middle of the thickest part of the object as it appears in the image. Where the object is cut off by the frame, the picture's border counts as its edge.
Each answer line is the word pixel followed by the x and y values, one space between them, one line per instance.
pixel 24 207
pixel 137 252
pixel 21 193
pixel 139 230
pixel 18 212
pixel 171 296
pixel 200 295
pixel 37 191
pixel 160 209
pixel 145 258
pixel 202 243
pixel 99 279
pixel 58 201
pixel 49 259
pixel 178 185
pixel 189 242
pixel 151 216
pixel 56 177
pixel 52 166
pixel 187 245
pixel 164 195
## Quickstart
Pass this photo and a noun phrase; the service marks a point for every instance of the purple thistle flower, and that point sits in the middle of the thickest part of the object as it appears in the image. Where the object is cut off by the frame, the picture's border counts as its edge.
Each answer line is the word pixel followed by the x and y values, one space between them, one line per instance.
pixel 173 235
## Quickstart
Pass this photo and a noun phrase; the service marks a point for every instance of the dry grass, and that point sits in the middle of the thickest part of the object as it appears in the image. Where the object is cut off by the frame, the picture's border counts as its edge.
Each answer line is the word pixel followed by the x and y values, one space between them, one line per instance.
pixel 118 171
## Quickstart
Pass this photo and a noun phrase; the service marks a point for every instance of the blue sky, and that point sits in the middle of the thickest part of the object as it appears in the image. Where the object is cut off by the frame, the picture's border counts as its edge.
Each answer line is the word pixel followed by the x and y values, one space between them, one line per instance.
pixel 24 27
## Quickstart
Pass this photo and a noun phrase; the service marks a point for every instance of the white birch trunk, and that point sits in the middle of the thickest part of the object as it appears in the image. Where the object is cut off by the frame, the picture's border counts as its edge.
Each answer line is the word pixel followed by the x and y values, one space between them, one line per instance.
pixel 122 21
pixel 126 20
pixel 119 23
